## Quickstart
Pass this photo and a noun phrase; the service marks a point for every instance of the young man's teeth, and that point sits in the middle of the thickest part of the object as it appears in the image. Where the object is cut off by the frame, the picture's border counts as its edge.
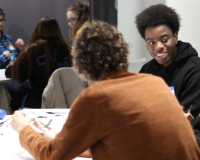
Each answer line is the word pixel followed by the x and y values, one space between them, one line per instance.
pixel 160 54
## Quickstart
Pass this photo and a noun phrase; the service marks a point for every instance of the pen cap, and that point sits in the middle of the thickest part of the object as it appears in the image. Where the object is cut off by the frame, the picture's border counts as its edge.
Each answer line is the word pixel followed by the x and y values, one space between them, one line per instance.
pixel 2 113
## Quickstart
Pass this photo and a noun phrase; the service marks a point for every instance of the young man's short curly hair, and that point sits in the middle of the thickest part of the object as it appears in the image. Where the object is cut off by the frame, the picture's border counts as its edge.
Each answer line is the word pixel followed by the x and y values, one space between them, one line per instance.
pixel 99 50
pixel 157 15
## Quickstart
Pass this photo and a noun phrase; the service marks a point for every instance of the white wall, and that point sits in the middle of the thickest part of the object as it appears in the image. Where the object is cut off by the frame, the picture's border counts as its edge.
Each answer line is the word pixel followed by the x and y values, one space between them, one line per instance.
pixel 189 11
pixel 127 9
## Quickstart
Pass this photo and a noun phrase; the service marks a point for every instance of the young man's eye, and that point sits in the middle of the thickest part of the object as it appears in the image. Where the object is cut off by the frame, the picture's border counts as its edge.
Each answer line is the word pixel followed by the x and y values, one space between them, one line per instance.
pixel 165 40
pixel 151 42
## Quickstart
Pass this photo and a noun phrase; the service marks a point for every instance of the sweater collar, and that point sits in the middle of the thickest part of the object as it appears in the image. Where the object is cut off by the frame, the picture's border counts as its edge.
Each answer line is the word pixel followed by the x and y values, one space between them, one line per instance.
pixel 118 74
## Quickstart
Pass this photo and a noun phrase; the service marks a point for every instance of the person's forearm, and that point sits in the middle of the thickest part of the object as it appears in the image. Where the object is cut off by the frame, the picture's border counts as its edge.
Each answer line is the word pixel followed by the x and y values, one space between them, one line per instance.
pixel 33 142
pixel 42 148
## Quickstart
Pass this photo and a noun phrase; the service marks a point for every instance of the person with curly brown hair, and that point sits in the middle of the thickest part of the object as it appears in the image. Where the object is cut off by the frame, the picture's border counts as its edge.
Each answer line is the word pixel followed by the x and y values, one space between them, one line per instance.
pixel 121 117
pixel 77 15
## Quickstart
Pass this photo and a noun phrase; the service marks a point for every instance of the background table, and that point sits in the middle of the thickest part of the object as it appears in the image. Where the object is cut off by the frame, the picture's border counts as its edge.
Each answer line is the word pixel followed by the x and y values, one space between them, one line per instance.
pixel 10 148
pixel 3 76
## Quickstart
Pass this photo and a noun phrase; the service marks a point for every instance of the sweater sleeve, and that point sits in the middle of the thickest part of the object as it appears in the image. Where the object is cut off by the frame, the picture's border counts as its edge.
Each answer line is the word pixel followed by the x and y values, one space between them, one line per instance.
pixel 78 134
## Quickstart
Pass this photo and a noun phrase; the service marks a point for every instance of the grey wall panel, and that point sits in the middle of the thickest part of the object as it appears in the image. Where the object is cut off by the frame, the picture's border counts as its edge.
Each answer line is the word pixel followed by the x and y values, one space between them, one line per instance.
pixel 23 15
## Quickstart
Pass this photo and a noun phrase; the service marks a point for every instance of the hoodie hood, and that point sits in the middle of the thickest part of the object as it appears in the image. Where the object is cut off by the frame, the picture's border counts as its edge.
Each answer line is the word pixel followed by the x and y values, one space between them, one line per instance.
pixel 185 50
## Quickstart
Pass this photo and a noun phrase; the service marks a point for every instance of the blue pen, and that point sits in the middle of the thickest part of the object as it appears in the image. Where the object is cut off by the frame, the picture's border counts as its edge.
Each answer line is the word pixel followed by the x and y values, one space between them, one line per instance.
pixel 46 124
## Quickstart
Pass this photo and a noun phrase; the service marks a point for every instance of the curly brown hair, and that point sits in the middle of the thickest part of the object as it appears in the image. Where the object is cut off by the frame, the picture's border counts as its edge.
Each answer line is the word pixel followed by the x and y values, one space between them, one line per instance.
pixel 99 50
pixel 82 10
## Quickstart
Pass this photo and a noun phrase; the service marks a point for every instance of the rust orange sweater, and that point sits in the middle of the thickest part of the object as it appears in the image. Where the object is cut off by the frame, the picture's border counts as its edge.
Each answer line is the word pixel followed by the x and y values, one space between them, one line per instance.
pixel 127 116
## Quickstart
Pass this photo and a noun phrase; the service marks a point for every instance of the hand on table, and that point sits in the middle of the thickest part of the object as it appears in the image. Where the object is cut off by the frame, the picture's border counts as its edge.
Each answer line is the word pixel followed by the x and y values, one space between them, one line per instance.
pixel 19 121
pixel 7 54
pixel 48 132
pixel 19 44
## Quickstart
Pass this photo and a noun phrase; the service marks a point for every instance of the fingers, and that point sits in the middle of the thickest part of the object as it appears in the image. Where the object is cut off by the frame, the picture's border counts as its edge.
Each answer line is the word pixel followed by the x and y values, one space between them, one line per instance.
pixel 19 42
pixel 41 127
pixel 43 124
pixel 18 113
pixel 18 121
pixel 31 119
pixel 40 122
pixel 189 117
pixel 22 115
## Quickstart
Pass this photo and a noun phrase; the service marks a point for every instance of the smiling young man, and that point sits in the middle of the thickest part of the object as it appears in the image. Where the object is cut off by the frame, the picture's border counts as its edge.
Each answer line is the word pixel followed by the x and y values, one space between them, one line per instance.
pixel 175 61
pixel 161 44
pixel 7 51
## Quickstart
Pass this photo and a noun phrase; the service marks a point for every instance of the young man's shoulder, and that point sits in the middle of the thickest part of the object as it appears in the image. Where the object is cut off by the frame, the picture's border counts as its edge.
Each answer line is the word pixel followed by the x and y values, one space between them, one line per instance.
pixel 146 68
pixel 6 37
pixel 195 60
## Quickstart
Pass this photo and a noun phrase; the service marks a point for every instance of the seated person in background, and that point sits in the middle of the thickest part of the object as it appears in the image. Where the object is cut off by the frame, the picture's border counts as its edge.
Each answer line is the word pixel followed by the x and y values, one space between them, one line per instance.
pixel 7 51
pixel 46 51
pixel 119 117
pixel 175 61
pixel 77 15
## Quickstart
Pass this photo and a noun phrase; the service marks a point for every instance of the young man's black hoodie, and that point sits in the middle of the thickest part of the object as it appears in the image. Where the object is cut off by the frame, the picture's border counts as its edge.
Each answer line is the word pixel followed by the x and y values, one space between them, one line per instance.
pixel 183 74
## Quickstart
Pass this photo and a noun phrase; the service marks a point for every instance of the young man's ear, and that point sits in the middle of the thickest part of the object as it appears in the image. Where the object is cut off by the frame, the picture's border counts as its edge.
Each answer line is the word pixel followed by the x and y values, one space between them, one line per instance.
pixel 176 37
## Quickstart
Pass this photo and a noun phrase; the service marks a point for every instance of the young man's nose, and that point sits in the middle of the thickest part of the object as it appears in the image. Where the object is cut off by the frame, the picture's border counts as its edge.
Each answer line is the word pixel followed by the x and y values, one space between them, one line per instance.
pixel 159 46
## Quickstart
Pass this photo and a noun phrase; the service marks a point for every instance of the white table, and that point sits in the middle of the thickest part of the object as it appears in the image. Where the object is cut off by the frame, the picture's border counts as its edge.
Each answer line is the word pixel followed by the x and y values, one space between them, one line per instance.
pixel 3 77
pixel 10 148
